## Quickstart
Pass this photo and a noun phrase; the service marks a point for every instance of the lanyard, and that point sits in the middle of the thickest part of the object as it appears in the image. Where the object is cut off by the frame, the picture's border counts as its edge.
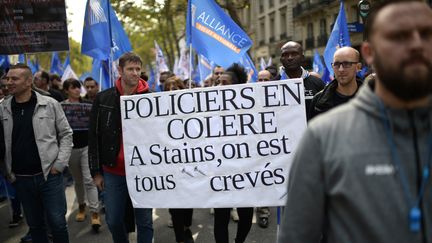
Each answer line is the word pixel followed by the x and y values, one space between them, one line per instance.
pixel 415 213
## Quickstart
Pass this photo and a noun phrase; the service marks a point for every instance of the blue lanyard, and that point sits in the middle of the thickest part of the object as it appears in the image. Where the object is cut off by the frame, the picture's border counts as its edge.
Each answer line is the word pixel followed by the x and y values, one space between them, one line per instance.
pixel 415 213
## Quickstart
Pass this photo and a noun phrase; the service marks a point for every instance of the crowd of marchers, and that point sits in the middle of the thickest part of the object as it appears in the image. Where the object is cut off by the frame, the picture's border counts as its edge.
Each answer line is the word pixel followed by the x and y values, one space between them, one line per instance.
pixel 361 172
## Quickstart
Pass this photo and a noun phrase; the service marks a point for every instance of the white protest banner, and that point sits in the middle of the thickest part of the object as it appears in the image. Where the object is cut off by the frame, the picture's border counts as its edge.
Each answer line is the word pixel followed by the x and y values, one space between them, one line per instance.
pixel 225 146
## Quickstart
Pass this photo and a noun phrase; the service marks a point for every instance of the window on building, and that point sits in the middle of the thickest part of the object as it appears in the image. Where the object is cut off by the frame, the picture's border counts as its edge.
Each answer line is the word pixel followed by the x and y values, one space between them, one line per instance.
pixel 310 43
pixel 272 27
pixel 261 6
pixel 283 22
pixel 262 31
pixel 323 27
pixel 310 30
pixel 271 3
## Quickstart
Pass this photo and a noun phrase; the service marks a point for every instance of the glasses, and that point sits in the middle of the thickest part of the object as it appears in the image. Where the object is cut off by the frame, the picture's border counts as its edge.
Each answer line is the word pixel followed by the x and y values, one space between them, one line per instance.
pixel 264 79
pixel 344 64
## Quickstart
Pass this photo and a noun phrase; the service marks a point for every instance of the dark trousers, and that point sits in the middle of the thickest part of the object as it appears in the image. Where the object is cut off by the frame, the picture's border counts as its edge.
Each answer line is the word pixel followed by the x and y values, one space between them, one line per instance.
pixel 221 220
pixel 181 218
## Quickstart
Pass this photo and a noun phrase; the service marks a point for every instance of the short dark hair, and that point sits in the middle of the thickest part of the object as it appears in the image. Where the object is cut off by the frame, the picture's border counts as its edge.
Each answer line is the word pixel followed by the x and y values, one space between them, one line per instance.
pixel 21 66
pixel 71 82
pixel 375 9
pixel 54 76
pixel 237 73
pixel 88 79
pixel 129 57
pixel 45 75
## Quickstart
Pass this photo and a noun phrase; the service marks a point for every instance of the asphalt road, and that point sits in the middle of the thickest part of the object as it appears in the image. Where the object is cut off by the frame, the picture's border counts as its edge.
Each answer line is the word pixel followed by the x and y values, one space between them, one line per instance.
pixel 202 227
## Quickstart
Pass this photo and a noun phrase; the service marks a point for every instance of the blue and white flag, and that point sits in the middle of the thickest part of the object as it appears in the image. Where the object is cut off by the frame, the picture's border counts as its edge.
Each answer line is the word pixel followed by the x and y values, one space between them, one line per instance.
pixel 205 67
pixel 184 64
pixel 161 65
pixel 270 62
pixel 248 64
pixel 21 58
pixel 100 72
pixel 67 61
pixel 96 41
pixel 4 62
pixel 214 34
pixel 317 64
pixel 263 64
pixel 339 37
pixel 33 67
pixel 56 64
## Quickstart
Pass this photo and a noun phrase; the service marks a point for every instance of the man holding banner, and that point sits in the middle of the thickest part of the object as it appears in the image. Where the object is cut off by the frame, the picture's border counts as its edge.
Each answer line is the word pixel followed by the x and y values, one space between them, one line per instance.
pixel 106 157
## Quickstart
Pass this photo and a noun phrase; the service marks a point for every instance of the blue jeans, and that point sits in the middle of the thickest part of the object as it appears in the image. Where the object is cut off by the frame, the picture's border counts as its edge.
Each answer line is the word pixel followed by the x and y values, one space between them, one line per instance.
pixel 42 199
pixel 116 193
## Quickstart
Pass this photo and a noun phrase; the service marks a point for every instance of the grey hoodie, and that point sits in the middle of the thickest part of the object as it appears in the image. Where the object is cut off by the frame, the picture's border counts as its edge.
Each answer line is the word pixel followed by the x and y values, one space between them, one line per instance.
pixel 343 186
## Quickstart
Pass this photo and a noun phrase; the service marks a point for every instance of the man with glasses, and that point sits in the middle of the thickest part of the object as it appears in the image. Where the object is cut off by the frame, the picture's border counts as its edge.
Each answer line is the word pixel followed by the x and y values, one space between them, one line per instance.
pixel 346 64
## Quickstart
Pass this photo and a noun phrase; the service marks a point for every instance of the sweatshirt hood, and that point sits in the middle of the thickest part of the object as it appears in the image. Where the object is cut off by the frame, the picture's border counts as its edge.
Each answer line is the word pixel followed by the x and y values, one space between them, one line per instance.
pixel 370 103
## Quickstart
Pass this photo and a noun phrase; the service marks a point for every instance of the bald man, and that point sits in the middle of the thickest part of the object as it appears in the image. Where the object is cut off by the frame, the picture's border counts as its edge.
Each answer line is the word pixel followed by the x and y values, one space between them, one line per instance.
pixel 346 64
pixel 291 58
pixel 264 76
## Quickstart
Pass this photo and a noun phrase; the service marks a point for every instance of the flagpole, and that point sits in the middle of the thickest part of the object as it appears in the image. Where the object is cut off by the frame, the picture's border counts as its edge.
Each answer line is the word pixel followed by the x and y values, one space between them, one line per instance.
pixel 190 65
pixel 110 61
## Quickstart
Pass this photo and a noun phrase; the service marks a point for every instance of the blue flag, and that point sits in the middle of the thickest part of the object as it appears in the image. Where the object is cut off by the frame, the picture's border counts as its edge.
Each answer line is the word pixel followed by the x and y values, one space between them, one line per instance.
pixel 21 58
pixel 100 72
pixel 247 62
pixel 96 33
pixel 339 37
pixel 32 66
pixel 205 67
pixel 214 34
pixel 317 64
pixel 4 62
pixel 56 64
pixel 66 62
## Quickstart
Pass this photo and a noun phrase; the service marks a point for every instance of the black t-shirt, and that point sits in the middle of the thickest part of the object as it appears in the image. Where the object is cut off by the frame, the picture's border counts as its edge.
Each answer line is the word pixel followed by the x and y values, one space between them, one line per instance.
pixel 25 154
pixel 339 99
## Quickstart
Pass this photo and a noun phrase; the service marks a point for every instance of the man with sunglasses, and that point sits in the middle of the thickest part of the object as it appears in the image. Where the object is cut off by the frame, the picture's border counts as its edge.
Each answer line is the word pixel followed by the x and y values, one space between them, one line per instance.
pixel 346 64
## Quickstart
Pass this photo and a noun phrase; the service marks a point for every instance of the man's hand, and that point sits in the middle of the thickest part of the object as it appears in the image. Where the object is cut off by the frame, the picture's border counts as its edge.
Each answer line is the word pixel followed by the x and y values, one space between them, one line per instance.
pixel 53 171
pixel 99 181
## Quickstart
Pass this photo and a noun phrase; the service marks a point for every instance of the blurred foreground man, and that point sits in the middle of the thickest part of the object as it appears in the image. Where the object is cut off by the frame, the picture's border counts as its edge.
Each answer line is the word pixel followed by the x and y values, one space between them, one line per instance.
pixel 368 179
pixel 38 142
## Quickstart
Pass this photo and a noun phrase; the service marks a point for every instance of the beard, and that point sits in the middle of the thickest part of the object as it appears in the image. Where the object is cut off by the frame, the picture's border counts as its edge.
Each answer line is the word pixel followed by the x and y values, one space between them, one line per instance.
pixel 405 84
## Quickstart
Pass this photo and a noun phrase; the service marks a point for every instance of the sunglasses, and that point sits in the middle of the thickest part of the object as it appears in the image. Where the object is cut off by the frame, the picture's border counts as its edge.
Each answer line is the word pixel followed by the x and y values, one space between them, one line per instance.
pixel 344 64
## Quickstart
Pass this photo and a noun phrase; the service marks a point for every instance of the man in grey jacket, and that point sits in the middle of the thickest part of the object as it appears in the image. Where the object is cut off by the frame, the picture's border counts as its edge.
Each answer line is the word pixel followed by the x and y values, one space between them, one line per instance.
pixel 38 144
pixel 362 171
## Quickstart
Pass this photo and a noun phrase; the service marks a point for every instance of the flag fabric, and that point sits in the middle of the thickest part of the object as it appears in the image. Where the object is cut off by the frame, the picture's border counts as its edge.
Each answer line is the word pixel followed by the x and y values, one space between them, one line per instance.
pixel 184 64
pixel 176 70
pixel 21 58
pixel 161 65
pixel 214 34
pixel 96 33
pixel 248 64
pixel 68 73
pixel 339 37
pixel 56 64
pixel 317 64
pixel 32 66
pixel 205 67
pixel 263 64
pixel 67 61
pixel 100 72
pixel 4 62
pixel 270 62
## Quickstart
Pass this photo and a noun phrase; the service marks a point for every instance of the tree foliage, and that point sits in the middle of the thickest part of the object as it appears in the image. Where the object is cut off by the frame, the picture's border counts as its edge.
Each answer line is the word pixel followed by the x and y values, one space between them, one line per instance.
pixel 163 21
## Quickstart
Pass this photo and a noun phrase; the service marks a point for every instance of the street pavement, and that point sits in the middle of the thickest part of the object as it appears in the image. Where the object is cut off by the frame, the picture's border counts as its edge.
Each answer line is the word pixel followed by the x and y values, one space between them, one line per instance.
pixel 202 227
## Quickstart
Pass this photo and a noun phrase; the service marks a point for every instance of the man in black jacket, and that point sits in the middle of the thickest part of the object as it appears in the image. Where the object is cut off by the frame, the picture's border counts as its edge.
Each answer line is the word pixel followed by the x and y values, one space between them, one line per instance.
pixel 346 64
pixel 106 157
pixel 292 57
